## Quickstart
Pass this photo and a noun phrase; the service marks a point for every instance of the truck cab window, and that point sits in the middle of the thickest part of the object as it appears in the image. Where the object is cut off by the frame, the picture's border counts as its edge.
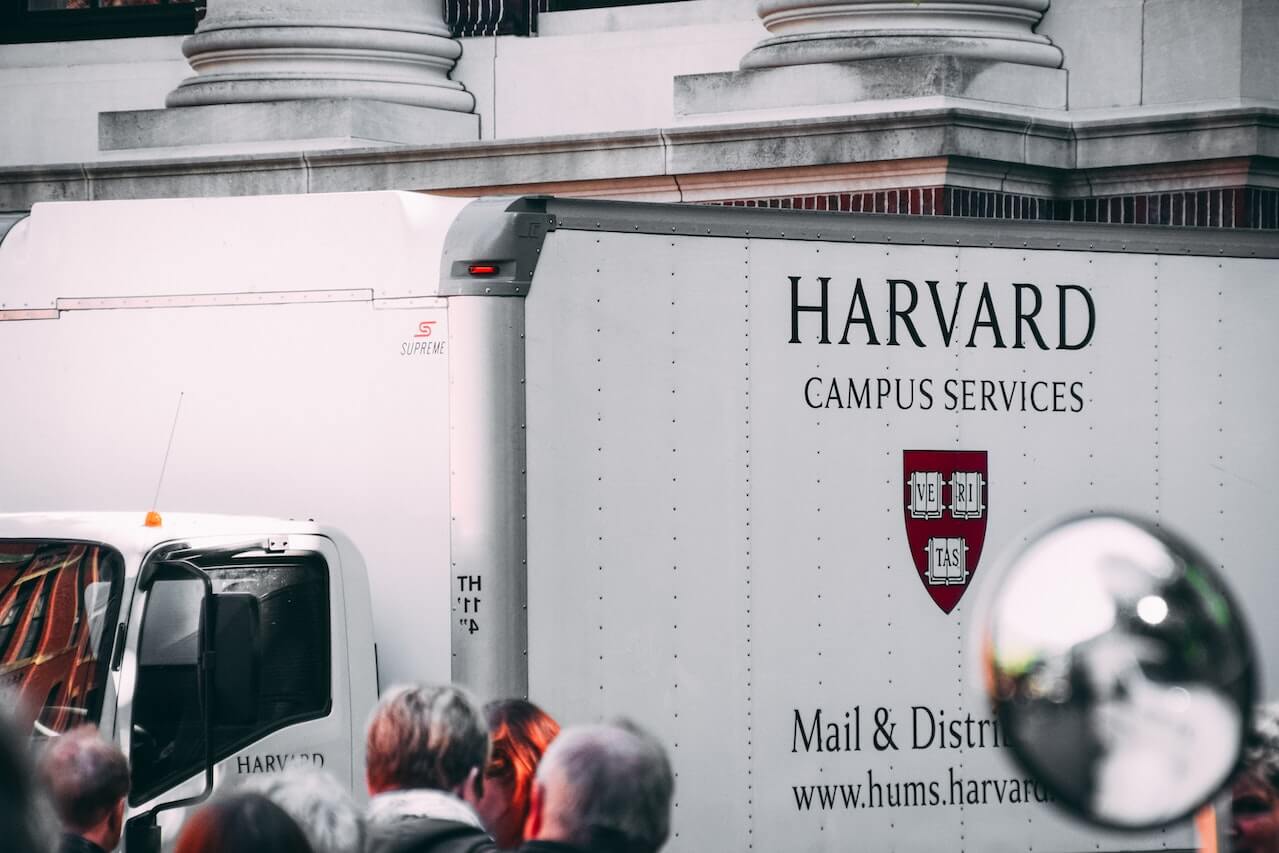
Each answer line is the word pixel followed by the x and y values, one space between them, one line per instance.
pixel 293 683
pixel 55 599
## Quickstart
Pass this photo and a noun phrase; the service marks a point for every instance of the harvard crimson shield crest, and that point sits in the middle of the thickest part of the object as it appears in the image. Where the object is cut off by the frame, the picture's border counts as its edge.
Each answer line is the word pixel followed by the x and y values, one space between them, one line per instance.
pixel 946 501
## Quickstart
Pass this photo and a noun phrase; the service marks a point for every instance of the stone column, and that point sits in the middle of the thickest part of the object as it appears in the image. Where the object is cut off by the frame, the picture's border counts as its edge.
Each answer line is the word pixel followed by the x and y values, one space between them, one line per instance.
pixel 274 75
pixel 816 31
pixel 283 50
pixel 834 54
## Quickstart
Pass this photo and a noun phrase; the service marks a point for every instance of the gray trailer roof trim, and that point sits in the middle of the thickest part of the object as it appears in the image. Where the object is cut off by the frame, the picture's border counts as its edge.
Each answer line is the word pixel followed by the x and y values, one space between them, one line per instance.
pixel 778 224
pixel 504 232
pixel 509 232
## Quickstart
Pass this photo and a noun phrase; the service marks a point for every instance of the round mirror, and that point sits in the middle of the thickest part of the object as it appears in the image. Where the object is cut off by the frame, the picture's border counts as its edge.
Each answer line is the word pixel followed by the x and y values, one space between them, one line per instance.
pixel 1120 670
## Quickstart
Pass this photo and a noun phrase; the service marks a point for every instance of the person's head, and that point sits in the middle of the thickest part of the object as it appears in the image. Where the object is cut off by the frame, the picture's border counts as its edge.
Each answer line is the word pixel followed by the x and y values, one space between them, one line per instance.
pixel 604 788
pixel 426 737
pixel 244 822
pixel 25 819
pixel 319 804
pixel 519 732
pixel 88 780
pixel 1254 803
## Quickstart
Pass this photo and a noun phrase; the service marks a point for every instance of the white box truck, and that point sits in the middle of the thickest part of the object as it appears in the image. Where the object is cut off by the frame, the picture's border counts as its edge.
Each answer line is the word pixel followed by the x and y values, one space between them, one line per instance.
pixel 737 474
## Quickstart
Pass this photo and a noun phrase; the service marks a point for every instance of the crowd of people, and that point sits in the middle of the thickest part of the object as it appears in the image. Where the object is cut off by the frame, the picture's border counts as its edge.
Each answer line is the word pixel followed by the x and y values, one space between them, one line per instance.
pixel 443 775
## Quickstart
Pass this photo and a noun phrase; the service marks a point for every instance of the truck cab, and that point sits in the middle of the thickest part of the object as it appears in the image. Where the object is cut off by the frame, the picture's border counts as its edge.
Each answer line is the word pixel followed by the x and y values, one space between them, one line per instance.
pixel 209 648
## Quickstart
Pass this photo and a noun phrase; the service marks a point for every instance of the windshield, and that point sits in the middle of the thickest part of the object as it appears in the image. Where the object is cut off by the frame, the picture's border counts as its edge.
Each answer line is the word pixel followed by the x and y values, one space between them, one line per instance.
pixel 57 600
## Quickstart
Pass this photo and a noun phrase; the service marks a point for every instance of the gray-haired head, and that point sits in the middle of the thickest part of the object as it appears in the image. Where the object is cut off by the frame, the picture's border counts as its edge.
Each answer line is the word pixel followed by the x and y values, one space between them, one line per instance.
pixel 1261 751
pixel 87 777
pixel 425 737
pixel 319 804
pixel 607 788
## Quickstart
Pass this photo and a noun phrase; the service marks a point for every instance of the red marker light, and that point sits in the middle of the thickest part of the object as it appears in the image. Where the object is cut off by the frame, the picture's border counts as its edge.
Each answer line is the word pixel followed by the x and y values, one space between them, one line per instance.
pixel 482 269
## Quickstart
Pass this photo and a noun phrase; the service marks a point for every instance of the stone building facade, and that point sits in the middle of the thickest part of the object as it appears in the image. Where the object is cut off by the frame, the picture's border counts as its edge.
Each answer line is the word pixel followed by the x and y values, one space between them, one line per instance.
pixel 1160 112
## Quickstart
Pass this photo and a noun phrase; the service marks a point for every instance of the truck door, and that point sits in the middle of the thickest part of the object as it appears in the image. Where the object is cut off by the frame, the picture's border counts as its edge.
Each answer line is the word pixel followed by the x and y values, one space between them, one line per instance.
pixel 278 699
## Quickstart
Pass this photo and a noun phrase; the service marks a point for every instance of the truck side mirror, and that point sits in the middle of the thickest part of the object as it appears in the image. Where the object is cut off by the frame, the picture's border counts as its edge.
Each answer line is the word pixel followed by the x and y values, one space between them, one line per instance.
pixel 176 656
pixel 142 834
pixel 238 659
pixel 1120 670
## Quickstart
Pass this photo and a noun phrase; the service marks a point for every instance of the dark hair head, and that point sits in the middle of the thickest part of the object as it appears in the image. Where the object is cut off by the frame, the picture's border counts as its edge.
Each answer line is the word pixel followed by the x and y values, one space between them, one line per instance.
pixel 86 776
pixel 520 732
pixel 425 737
pixel 25 821
pixel 242 823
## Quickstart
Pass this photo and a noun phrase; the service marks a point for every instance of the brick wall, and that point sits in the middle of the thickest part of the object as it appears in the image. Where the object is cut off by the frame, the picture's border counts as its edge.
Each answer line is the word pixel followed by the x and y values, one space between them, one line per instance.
pixel 1237 207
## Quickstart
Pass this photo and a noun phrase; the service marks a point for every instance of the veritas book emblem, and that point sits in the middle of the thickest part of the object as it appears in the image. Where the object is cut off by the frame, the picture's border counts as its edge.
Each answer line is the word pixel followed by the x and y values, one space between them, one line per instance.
pixel 946 500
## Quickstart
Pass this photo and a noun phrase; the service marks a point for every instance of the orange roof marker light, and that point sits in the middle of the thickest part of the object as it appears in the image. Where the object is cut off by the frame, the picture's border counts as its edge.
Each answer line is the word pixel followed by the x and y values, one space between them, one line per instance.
pixel 153 519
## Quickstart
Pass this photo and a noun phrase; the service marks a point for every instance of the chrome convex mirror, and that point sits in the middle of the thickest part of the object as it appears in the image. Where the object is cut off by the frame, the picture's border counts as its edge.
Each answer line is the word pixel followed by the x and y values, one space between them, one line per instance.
pixel 1120 669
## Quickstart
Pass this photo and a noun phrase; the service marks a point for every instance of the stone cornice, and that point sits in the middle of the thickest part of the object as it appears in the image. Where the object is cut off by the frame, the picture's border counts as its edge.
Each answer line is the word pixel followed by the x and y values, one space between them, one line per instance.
pixel 1243 130
pixel 1059 147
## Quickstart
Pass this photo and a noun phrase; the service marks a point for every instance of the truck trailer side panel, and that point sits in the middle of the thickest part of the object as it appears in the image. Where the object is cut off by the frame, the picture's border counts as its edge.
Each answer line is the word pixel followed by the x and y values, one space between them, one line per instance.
pixel 722 530
pixel 639 505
